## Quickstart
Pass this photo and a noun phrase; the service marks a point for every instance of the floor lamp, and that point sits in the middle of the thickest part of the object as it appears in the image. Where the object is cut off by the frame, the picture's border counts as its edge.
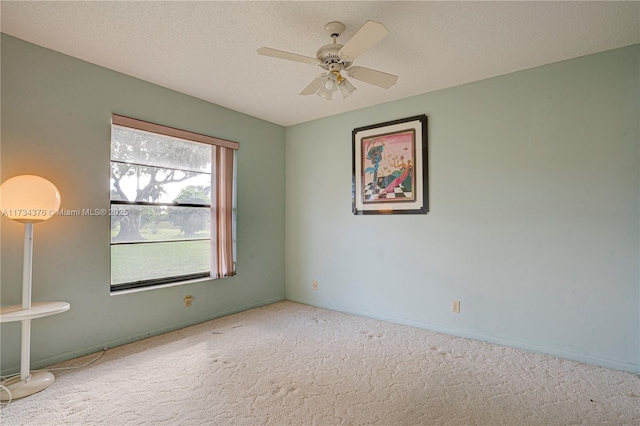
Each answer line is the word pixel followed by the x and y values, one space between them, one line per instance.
pixel 28 199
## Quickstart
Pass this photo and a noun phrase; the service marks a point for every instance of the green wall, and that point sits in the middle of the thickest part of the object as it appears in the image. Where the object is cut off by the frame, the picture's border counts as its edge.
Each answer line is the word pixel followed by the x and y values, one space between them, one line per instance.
pixel 56 113
pixel 533 223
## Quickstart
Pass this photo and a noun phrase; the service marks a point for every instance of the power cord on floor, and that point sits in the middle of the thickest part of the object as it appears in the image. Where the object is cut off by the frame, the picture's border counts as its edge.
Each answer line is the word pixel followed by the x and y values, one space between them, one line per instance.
pixel 78 366
pixel 5 389
pixel 5 379
pixel 8 389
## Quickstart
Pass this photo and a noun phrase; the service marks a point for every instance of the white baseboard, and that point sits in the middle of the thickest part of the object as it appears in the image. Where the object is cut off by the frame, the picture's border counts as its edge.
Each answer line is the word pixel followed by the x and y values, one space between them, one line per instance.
pixel 556 352
pixel 41 363
pixel 546 350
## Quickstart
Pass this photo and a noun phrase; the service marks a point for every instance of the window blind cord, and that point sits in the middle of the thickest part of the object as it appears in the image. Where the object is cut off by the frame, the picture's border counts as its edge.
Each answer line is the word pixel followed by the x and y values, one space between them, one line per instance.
pixel 8 389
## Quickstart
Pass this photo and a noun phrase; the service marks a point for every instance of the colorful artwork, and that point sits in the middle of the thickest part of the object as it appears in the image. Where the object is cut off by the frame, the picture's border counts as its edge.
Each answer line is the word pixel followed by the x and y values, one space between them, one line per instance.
pixel 388 167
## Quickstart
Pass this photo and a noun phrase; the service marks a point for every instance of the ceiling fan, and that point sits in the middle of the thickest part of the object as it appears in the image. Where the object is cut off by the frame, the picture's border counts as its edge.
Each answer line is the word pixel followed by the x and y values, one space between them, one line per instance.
pixel 336 57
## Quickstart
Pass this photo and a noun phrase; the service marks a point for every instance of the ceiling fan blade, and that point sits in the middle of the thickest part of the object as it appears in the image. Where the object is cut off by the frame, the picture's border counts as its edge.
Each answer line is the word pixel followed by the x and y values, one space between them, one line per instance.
pixel 313 86
pixel 368 35
pixel 281 54
pixel 377 78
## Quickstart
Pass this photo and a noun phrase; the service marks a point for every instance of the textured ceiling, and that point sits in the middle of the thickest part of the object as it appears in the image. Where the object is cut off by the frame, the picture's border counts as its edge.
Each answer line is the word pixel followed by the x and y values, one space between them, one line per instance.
pixel 208 49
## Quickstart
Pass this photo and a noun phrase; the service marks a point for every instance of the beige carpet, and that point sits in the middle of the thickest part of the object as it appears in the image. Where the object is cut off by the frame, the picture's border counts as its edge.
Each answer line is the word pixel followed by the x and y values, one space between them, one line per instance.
pixel 289 363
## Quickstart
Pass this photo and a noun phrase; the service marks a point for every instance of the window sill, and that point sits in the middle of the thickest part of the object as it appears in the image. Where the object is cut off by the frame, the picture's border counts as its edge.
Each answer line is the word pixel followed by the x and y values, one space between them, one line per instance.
pixel 159 286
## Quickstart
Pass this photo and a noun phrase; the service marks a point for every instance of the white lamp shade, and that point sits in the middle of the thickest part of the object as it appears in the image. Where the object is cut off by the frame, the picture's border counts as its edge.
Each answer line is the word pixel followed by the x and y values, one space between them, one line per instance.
pixel 346 88
pixel 329 85
pixel 324 94
pixel 29 199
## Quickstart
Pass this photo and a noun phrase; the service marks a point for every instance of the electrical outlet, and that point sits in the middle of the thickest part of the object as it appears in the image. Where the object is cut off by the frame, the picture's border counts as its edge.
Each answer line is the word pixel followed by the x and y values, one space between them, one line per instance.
pixel 314 285
pixel 455 306
pixel 188 301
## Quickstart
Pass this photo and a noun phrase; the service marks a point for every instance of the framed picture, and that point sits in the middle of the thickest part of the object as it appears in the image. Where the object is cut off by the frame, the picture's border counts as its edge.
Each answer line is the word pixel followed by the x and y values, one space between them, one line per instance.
pixel 390 169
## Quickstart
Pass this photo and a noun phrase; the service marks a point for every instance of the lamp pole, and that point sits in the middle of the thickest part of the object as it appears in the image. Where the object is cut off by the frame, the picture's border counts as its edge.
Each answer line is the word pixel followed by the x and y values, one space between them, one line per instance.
pixel 27 270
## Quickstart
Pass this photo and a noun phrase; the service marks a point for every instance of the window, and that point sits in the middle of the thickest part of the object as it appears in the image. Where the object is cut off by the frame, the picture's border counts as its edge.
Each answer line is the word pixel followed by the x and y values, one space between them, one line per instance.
pixel 173 203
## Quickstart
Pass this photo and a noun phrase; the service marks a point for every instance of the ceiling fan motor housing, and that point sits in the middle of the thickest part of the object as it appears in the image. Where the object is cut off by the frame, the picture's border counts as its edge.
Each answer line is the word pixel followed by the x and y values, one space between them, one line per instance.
pixel 328 55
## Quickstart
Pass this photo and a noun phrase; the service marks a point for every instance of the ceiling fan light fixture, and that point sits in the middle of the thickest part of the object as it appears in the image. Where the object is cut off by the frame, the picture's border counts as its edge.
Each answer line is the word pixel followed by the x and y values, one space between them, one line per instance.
pixel 324 94
pixel 327 87
pixel 346 88
pixel 329 84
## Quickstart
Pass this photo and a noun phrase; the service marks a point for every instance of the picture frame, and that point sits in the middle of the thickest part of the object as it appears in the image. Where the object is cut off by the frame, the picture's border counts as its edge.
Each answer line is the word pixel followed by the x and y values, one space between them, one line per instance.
pixel 390 167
